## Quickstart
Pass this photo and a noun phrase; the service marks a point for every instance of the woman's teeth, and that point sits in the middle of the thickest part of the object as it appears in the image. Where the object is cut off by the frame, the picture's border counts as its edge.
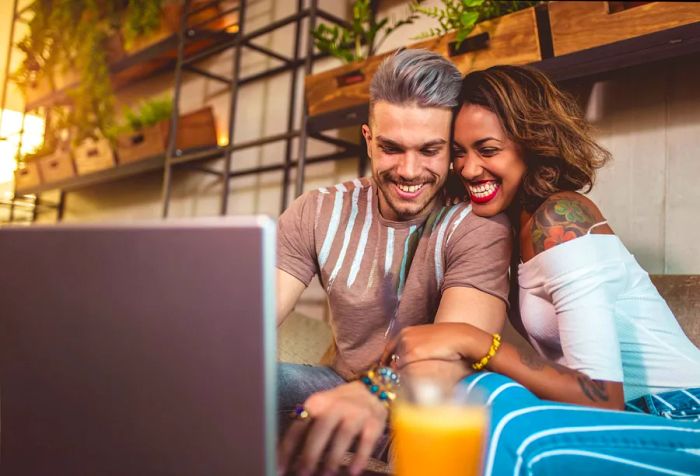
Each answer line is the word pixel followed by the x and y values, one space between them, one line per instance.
pixel 483 189
pixel 409 188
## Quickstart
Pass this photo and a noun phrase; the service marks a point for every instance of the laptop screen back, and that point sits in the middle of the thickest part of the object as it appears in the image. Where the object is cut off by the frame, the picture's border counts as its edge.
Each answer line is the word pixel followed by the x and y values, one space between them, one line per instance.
pixel 144 349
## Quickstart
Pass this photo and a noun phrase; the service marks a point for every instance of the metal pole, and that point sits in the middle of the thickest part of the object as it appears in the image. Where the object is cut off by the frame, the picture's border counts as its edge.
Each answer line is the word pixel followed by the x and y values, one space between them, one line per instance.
pixel 172 136
pixel 12 208
pixel 21 135
pixel 235 75
pixel 301 158
pixel 6 79
pixel 35 210
pixel 60 208
pixel 292 110
pixel 3 97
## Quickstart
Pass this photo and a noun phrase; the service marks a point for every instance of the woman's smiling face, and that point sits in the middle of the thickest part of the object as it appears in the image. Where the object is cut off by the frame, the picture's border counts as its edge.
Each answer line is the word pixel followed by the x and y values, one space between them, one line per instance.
pixel 489 163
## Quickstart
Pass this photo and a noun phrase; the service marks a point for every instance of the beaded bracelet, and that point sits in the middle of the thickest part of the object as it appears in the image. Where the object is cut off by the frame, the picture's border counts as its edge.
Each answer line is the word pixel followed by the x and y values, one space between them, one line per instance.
pixel 495 344
pixel 382 382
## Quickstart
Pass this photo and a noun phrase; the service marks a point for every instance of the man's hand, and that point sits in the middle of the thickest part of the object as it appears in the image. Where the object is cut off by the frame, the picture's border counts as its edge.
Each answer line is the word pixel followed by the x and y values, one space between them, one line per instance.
pixel 338 417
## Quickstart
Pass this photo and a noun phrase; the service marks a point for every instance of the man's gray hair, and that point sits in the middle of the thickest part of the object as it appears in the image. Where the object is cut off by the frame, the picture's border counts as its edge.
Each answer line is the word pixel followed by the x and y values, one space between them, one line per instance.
pixel 416 76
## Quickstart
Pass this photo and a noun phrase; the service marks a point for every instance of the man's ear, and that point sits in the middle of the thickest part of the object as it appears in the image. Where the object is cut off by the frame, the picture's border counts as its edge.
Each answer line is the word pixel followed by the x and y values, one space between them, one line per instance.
pixel 367 134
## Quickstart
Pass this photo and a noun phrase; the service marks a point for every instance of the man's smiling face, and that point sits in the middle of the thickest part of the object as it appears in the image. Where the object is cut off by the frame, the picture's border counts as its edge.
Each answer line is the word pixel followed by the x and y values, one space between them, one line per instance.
pixel 409 151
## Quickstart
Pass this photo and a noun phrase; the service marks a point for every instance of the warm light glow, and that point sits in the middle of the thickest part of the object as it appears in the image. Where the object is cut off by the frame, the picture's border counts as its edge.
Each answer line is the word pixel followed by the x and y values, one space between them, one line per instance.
pixel 222 139
pixel 10 129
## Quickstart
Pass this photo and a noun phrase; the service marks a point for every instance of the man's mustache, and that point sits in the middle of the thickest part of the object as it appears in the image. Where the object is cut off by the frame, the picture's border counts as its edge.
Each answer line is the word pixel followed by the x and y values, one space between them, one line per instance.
pixel 390 176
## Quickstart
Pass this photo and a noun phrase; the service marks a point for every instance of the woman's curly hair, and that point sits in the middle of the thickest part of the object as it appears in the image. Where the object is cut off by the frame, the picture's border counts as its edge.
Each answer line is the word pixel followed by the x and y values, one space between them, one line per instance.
pixel 545 122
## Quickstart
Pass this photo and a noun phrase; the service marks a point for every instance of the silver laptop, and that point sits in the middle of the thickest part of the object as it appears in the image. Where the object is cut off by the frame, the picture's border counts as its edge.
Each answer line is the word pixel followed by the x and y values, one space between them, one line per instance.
pixel 138 349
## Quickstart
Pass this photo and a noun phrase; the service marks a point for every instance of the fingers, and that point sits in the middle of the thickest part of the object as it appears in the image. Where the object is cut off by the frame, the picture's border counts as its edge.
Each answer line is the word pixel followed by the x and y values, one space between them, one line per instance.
pixel 292 440
pixel 316 441
pixel 344 436
pixel 389 349
pixel 368 441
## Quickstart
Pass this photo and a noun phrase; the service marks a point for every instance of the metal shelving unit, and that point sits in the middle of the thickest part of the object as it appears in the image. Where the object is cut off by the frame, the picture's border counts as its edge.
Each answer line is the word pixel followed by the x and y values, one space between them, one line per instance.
pixel 593 63
pixel 193 45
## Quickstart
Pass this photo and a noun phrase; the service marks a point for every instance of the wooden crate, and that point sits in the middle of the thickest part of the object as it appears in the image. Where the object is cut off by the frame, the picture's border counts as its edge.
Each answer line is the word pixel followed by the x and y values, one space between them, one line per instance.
pixel 512 39
pixel 27 175
pixel 93 155
pixel 149 142
pixel 579 26
pixel 43 88
pixel 196 129
pixel 57 166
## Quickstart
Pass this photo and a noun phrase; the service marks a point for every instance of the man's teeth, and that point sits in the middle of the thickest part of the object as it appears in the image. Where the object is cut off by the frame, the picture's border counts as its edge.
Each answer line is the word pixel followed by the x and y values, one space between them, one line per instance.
pixel 483 189
pixel 409 188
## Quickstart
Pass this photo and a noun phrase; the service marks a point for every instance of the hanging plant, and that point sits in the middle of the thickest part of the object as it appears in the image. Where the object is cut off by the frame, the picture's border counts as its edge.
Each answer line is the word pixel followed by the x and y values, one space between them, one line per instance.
pixel 362 39
pixel 71 36
pixel 142 18
pixel 461 16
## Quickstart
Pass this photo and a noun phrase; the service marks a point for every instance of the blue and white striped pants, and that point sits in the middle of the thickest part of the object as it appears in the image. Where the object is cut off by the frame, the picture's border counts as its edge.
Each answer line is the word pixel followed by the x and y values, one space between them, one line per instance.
pixel 530 436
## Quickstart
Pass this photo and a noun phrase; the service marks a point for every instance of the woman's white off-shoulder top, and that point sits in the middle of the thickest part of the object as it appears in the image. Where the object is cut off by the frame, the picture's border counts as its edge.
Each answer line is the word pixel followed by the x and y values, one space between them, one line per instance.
pixel 587 304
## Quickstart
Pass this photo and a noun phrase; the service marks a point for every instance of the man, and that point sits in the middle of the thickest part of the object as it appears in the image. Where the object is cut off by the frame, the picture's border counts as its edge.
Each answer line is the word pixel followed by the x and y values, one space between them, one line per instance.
pixel 389 255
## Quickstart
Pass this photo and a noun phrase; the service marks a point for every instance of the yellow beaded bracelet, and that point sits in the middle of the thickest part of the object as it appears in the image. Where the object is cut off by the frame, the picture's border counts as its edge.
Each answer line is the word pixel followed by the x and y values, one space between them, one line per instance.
pixel 480 364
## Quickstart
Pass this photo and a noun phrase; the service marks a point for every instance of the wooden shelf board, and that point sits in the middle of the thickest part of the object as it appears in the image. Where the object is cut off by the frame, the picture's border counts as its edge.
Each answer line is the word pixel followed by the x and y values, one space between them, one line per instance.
pixel 123 171
pixel 654 47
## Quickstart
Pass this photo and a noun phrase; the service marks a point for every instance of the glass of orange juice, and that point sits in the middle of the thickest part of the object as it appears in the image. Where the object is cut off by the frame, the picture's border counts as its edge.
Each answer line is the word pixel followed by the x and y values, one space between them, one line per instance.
pixel 437 432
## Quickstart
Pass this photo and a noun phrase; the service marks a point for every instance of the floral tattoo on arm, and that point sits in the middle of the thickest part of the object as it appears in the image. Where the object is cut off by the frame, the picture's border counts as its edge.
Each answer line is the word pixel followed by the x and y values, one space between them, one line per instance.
pixel 557 221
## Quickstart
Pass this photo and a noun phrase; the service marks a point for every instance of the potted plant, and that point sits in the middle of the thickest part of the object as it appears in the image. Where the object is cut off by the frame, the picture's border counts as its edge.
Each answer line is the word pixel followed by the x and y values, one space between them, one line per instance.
pixel 27 173
pixel 145 131
pixel 356 46
pixel 363 37
pixel 460 17
pixel 52 161
pixel 469 33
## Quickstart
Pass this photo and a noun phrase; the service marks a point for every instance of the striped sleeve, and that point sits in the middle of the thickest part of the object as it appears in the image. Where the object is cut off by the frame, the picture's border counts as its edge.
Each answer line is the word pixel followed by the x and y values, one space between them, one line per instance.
pixel 296 251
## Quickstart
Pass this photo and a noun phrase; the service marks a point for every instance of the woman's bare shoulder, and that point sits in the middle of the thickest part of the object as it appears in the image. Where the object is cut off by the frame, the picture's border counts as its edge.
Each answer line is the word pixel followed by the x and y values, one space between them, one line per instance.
pixel 562 217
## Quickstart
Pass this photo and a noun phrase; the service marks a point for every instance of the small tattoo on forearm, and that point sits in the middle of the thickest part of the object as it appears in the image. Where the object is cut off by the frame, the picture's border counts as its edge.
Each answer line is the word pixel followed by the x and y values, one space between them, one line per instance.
pixel 594 389
pixel 531 361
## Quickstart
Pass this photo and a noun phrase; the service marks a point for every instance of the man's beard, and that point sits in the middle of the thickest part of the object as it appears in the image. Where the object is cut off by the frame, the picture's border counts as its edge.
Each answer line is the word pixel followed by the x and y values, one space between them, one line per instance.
pixel 405 209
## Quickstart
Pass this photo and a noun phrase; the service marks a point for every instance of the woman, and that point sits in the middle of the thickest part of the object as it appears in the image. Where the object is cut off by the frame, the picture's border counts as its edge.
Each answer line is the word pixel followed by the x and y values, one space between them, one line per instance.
pixel 605 339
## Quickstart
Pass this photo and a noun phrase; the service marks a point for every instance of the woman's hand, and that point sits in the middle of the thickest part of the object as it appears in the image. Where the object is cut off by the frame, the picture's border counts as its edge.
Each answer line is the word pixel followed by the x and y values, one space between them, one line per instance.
pixel 448 341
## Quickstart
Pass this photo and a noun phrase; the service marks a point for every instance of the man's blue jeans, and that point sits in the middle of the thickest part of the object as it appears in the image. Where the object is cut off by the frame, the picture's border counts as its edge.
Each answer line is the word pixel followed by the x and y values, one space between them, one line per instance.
pixel 296 382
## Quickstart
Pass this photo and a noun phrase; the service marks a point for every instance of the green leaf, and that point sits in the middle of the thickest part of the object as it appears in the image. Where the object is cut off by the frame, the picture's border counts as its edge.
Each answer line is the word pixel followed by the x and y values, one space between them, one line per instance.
pixel 468 19
pixel 537 235
pixel 460 36
pixel 561 207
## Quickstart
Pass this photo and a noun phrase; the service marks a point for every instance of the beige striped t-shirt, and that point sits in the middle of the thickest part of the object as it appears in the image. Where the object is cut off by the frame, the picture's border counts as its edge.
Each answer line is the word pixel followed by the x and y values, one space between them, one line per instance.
pixel 382 275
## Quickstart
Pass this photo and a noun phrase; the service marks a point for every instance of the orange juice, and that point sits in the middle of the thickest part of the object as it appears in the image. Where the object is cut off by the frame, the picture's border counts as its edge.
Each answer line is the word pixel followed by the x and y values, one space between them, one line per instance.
pixel 440 440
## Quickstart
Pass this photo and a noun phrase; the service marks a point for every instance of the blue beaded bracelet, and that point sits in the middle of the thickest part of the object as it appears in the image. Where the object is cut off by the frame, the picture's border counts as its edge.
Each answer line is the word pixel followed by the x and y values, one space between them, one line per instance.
pixel 382 382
